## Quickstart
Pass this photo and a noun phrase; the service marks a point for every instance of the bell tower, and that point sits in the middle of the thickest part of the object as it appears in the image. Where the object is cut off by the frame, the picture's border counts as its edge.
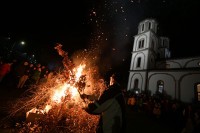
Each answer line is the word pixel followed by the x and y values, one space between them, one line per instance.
pixel 144 54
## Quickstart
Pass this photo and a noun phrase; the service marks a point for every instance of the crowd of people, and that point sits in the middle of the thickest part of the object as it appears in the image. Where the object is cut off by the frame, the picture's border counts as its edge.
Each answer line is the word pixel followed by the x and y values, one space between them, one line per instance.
pixel 182 117
pixel 21 74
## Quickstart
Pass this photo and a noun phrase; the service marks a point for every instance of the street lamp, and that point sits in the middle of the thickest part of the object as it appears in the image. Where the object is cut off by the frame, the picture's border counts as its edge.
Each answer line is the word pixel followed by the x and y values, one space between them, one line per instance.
pixel 21 43
pixel 12 48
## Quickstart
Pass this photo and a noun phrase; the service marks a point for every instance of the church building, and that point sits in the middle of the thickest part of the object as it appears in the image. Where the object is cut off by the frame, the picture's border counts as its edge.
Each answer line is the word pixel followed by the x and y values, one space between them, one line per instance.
pixel 153 70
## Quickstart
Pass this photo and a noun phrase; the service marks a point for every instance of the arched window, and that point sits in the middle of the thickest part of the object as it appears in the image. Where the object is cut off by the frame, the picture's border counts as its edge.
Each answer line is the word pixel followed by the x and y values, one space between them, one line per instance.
pixel 152 44
pixel 160 86
pixel 198 92
pixel 149 26
pixel 136 89
pixel 141 43
pixel 135 83
pixel 138 62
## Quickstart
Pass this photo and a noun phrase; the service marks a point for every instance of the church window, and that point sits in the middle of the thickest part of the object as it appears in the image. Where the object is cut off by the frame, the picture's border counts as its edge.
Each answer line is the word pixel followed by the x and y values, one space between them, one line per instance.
pixel 149 25
pixel 164 43
pixel 198 92
pixel 138 62
pixel 152 44
pixel 141 43
pixel 136 84
pixel 136 89
pixel 160 85
pixel 142 27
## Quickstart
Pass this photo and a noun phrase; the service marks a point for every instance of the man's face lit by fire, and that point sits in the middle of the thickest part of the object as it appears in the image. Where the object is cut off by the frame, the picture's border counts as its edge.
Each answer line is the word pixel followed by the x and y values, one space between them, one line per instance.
pixel 112 80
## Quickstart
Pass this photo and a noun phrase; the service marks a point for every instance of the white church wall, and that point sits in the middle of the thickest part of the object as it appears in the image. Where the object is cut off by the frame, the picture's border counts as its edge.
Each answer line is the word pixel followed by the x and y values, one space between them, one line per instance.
pixel 141 80
pixel 144 36
pixel 177 84
pixel 142 56
pixel 168 64
pixel 153 42
pixel 147 24
pixel 135 56
pixel 151 59
pixel 194 62
pixel 187 87
pixel 182 63
pixel 169 83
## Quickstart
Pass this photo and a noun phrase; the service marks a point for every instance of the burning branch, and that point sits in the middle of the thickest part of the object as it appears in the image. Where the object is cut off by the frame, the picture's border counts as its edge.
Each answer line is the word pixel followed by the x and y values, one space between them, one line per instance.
pixel 67 63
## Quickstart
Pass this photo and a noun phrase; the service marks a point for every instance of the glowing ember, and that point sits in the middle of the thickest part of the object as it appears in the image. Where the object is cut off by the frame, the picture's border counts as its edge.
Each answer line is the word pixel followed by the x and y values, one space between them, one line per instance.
pixel 78 71
pixel 47 108
pixel 74 93
pixel 59 93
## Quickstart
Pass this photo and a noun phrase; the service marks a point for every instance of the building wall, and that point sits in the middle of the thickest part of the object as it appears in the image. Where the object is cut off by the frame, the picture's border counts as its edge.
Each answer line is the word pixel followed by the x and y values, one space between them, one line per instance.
pixel 178 84
pixel 141 76
pixel 187 86
pixel 143 56
pixel 144 36
pixel 168 79
pixel 180 63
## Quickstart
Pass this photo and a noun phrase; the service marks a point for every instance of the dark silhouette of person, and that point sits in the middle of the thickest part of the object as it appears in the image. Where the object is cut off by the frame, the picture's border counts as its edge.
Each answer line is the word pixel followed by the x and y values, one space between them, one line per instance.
pixel 111 108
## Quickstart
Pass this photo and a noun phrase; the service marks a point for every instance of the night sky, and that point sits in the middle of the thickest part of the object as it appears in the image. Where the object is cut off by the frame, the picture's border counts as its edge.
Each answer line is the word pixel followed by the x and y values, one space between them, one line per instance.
pixel 109 24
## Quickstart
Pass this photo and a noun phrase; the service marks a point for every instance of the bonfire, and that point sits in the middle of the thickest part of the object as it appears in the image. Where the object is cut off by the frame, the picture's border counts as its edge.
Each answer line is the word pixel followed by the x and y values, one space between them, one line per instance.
pixel 56 106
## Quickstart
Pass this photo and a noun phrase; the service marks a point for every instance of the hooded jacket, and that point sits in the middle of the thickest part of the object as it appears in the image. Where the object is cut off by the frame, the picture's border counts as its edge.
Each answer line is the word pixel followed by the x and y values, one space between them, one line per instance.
pixel 111 107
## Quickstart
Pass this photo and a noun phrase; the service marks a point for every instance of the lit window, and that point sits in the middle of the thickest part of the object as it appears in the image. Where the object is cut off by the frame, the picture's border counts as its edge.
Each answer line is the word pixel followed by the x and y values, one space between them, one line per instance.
pixel 142 27
pixel 160 88
pixel 198 92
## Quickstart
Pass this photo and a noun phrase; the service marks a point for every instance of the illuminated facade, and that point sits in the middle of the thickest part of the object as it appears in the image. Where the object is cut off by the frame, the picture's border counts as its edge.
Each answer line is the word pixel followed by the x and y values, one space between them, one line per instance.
pixel 152 68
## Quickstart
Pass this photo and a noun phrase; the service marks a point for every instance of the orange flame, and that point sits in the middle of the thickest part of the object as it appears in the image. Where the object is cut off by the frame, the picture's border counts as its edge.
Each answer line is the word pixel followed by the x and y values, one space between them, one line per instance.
pixel 78 71
pixel 63 90
pixel 59 93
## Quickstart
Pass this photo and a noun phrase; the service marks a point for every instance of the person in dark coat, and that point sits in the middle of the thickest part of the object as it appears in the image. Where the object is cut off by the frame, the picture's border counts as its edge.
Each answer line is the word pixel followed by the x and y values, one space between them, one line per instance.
pixel 111 108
